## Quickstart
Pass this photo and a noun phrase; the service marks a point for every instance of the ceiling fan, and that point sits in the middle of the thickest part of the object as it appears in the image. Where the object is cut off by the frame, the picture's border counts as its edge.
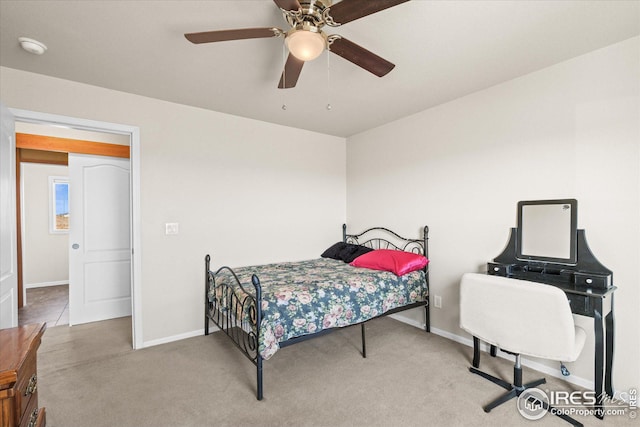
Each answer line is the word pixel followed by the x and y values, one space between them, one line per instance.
pixel 306 40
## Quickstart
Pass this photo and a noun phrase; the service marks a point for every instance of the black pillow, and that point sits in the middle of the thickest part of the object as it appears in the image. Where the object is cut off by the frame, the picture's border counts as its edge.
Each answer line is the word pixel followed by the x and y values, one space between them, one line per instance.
pixel 346 252
pixel 334 251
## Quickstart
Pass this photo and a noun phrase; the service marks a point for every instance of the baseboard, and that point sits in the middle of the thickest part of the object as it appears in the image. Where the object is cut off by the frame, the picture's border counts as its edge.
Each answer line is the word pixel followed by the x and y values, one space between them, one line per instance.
pixel 172 338
pixel 178 337
pixel 545 369
pixel 45 284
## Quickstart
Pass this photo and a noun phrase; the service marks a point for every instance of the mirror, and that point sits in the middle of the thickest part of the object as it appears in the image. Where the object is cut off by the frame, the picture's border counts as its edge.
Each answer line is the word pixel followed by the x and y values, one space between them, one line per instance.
pixel 547 231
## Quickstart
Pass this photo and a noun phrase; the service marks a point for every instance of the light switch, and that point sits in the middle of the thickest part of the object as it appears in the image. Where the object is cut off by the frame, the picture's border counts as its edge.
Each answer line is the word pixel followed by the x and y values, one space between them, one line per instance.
pixel 171 228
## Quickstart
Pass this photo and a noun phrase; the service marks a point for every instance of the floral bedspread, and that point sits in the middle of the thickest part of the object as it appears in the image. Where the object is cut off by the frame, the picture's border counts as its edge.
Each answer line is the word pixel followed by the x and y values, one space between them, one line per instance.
pixel 300 298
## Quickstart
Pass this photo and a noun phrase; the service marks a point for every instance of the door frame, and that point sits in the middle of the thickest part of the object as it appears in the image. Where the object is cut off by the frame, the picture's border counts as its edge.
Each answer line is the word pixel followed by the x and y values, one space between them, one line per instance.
pixel 136 247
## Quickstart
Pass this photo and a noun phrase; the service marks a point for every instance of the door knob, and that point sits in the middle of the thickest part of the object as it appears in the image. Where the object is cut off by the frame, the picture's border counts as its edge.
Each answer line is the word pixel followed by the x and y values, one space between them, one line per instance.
pixel 75 246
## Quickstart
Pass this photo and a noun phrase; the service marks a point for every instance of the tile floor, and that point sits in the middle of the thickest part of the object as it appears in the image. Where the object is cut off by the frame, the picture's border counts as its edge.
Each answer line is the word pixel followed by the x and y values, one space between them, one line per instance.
pixel 47 304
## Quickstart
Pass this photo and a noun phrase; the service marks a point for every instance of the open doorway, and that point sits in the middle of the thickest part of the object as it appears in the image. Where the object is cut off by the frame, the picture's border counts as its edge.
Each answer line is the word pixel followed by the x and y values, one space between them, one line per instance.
pixel 132 135
pixel 44 154
pixel 44 236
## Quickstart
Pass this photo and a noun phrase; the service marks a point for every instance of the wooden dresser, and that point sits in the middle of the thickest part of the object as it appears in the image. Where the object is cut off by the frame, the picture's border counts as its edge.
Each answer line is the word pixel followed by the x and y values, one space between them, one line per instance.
pixel 18 376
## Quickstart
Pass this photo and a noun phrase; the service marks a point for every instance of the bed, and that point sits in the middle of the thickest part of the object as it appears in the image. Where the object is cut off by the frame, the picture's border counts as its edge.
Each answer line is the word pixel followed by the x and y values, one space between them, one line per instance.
pixel 267 307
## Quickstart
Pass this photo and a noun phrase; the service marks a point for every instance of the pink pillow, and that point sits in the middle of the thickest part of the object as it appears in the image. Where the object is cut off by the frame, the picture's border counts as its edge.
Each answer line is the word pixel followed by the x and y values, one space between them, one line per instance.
pixel 398 262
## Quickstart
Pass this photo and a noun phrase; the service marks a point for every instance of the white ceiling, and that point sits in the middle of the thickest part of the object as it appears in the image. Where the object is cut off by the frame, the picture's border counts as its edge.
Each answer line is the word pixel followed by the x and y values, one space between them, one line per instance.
pixel 442 50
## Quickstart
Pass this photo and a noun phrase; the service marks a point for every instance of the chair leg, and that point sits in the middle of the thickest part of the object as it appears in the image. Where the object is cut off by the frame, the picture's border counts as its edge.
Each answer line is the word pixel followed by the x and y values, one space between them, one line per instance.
pixel 514 390
pixel 502 399
pixel 535 383
pixel 495 380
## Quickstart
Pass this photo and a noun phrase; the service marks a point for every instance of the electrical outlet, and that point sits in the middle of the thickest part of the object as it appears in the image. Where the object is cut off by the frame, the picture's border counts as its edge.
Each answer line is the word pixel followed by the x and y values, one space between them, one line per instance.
pixel 437 301
pixel 171 228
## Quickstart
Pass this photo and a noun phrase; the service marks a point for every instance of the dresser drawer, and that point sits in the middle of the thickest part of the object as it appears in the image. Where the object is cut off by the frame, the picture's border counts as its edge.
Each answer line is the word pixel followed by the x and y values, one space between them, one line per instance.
pixel 30 414
pixel 595 281
pixel 27 386
pixel 34 416
pixel 18 378
pixel 496 269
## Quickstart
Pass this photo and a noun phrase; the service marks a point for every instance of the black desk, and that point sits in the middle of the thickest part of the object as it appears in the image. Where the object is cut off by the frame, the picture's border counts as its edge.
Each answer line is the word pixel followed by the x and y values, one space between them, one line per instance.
pixel 587 283
pixel 598 304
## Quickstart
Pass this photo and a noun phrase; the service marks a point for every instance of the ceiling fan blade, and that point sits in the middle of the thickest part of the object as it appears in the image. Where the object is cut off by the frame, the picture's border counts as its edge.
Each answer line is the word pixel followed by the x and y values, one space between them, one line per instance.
pixel 291 72
pixel 361 57
pixel 350 10
pixel 239 34
pixel 287 4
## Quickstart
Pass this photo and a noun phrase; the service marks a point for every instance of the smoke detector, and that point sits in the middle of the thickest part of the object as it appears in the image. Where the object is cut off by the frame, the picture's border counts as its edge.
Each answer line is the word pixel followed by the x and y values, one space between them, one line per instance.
pixel 32 46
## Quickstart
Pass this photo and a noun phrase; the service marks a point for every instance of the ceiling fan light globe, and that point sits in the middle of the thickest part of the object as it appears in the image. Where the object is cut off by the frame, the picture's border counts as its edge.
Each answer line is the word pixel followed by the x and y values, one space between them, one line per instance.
pixel 306 45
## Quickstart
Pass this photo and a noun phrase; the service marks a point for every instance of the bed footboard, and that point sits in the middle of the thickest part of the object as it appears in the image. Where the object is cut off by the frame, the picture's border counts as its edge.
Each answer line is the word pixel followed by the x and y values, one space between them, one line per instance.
pixel 237 314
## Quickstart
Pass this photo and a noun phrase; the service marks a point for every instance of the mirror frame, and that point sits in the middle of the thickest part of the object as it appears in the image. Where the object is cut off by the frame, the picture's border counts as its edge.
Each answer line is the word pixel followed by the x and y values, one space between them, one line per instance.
pixel 573 232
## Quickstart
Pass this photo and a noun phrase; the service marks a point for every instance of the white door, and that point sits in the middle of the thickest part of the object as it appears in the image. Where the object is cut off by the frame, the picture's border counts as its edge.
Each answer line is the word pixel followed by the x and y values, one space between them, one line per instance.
pixel 99 238
pixel 8 242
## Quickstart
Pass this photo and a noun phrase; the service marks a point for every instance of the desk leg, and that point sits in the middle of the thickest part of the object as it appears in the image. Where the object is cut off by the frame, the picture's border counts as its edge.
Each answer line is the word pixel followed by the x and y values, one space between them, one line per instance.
pixel 476 352
pixel 609 325
pixel 599 361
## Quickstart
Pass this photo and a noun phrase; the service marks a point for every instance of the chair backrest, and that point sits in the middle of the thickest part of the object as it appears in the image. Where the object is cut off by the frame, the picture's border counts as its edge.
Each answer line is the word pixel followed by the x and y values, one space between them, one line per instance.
pixel 519 316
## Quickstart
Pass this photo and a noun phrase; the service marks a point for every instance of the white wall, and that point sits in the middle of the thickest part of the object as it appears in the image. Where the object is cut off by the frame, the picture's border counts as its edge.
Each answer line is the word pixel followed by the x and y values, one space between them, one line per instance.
pixel 245 191
pixel 569 131
pixel 45 256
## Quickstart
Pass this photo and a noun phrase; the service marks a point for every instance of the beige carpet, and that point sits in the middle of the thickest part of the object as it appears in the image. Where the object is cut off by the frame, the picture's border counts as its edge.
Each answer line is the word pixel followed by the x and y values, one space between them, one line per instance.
pixel 89 376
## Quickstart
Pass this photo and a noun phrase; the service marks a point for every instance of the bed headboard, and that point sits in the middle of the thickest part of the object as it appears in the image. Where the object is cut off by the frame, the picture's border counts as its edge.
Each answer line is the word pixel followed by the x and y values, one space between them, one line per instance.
pixel 383 238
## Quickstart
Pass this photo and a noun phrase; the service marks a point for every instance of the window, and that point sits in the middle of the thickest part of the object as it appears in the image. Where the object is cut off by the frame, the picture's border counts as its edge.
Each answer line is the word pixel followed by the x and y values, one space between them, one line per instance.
pixel 59 204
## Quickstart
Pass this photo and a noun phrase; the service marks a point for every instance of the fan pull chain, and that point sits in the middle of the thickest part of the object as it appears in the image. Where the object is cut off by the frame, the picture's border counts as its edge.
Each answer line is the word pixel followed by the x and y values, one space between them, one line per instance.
pixel 284 76
pixel 328 81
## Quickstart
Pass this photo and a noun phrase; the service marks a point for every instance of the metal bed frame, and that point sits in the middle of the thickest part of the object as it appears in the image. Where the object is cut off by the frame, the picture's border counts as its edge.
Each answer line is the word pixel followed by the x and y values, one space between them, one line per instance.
pixel 226 303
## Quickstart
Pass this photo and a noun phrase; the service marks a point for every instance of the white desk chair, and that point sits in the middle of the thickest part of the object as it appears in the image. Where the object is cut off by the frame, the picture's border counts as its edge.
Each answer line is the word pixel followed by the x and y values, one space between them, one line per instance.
pixel 519 317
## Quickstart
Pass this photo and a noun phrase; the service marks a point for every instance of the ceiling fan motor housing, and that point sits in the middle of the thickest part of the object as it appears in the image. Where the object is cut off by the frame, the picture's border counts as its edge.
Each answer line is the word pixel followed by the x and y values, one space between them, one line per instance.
pixel 311 13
